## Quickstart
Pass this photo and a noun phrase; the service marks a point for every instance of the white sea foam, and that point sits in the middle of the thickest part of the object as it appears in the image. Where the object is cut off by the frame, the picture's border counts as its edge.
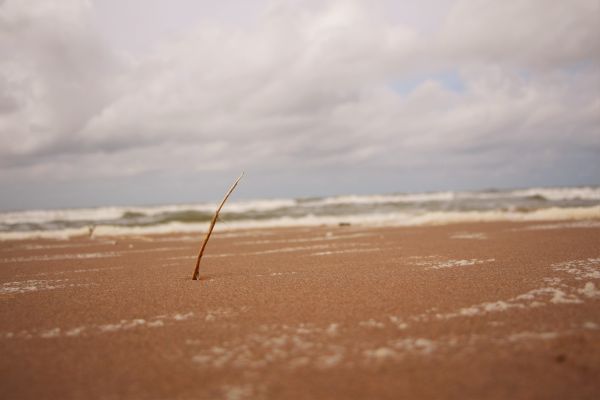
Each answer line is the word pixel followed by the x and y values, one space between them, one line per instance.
pixel 112 213
pixel 554 194
pixel 75 331
pixel 398 322
pixel 34 285
pixel 371 323
pixel 374 219
pixel 469 235
pixel 157 321
pixel 328 236
pixel 382 199
pixel 591 325
pixel 264 252
pixel 238 392
pixel 41 216
pixel 344 251
pixel 580 193
pixel 515 337
pixel 55 257
pixel 31 285
pixel 73 271
pixel 590 290
pixel 374 210
pixel 291 347
pixel 330 360
pixel 183 317
pixel 394 349
pixel 457 263
pixel 57 234
pixel 556 293
pixel 380 354
pixel 586 224
pixel 65 245
pixel 333 329
pixel 433 262
pixel 582 269
pixel 420 345
pixel 546 214
pixel 278 273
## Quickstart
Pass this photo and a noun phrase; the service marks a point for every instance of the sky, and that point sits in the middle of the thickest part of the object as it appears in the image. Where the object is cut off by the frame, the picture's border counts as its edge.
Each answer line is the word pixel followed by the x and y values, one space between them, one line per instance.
pixel 125 102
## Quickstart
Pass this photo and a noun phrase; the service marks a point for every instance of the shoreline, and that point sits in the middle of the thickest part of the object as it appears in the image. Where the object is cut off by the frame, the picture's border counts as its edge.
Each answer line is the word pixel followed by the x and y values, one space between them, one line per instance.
pixel 477 310
pixel 568 215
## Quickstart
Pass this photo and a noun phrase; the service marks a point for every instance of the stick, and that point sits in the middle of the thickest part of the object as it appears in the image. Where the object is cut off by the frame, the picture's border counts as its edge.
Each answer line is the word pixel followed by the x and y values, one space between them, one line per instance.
pixel 212 225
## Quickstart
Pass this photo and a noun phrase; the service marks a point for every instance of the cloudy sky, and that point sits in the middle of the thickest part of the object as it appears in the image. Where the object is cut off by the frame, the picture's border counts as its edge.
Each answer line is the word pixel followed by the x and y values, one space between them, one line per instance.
pixel 157 101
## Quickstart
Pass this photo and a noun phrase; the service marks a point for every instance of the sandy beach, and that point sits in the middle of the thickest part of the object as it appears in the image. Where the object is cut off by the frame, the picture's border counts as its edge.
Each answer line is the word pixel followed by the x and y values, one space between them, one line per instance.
pixel 463 311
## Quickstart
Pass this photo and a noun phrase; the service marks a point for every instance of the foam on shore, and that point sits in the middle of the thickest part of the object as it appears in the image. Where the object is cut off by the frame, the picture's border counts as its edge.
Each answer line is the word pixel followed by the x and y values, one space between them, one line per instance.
pixel 372 219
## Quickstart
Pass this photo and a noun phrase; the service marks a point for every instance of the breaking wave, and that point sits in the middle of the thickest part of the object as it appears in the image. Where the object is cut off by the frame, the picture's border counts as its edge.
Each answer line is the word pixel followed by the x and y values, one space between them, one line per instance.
pixel 401 209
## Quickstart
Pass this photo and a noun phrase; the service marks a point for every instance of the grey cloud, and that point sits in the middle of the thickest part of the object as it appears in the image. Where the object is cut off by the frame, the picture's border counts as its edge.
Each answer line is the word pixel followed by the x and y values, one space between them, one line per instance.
pixel 55 69
pixel 526 33
pixel 303 86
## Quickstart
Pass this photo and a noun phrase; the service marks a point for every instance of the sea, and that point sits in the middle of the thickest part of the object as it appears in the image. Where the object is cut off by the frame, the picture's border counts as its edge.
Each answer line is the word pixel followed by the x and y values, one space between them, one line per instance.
pixel 395 209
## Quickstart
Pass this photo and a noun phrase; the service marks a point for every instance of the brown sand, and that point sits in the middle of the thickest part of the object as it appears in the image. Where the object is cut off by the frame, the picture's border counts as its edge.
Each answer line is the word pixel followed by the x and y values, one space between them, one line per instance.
pixel 478 311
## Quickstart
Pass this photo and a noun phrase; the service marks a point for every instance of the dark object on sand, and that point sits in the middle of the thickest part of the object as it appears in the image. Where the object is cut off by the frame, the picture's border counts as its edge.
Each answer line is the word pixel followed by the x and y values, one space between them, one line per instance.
pixel 212 225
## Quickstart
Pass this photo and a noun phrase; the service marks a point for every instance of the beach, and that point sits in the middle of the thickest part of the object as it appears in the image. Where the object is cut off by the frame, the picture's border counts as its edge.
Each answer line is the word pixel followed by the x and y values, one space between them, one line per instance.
pixel 403 198
pixel 489 310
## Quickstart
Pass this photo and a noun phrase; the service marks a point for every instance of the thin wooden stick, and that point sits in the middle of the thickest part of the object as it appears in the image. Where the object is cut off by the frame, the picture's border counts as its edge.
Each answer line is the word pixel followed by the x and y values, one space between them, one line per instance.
pixel 212 225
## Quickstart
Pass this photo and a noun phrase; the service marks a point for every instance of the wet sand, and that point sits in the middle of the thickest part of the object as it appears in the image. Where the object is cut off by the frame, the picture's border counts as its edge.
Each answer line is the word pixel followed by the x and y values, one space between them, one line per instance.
pixel 475 311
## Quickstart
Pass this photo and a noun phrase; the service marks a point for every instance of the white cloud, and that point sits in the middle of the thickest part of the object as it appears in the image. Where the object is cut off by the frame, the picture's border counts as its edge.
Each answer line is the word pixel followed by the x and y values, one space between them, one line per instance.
pixel 54 76
pixel 523 33
pixel 304 84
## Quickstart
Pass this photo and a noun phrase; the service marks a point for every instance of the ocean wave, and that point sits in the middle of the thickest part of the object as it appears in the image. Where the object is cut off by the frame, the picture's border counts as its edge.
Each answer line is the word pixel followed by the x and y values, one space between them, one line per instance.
pixel 382 199
pixel 372 219
pixel 398 209
pixel 557 194
pixel 539 194
pixel 114 213
pixel 267 208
